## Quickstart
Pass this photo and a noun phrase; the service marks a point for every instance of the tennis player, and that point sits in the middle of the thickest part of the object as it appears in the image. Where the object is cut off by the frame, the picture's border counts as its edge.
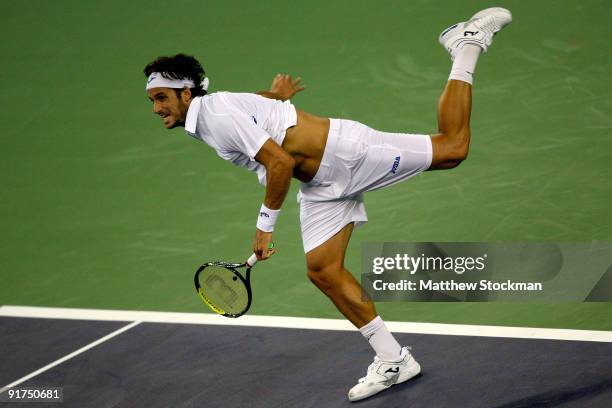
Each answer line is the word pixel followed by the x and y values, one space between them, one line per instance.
pixel 336 161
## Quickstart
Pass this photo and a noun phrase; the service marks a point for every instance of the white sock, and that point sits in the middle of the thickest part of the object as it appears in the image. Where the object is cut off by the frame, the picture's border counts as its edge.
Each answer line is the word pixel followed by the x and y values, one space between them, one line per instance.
pixel 465 63
pixel 381 340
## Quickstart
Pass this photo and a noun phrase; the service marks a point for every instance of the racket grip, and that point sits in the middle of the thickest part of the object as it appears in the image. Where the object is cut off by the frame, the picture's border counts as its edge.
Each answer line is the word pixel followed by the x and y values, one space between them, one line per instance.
pixel 252 260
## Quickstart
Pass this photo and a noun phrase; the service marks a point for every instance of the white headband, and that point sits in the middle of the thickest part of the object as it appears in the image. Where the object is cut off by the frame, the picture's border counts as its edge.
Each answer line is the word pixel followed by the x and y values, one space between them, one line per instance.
pixel 156 80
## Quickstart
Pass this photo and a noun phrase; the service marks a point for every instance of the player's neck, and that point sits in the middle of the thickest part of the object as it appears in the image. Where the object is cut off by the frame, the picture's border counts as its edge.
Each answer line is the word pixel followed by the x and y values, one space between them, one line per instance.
pixel 181 123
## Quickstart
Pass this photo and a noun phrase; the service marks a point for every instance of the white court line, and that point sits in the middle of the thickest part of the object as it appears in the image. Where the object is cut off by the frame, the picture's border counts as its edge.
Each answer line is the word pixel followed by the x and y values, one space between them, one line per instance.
pixel 69 356
pixel 304 323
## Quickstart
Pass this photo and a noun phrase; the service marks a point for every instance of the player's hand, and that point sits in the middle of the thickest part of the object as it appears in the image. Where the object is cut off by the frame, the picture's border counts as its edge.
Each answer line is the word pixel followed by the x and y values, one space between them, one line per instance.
pixel 262 245
pixel 286 87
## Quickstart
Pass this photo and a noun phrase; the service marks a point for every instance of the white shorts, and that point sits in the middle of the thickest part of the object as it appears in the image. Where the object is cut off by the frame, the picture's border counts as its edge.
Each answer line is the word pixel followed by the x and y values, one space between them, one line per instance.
pixel 357 159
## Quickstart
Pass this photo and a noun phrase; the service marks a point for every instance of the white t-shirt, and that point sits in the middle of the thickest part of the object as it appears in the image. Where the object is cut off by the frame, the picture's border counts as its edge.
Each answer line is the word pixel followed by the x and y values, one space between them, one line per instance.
pixel 236 125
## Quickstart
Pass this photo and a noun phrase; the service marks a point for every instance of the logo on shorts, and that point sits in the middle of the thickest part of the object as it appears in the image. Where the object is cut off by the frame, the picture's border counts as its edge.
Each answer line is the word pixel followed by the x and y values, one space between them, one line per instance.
pixel 395 165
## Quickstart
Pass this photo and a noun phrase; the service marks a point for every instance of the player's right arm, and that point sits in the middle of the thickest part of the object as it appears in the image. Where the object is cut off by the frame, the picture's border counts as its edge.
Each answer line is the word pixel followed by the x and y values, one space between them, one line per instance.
pixel 279 170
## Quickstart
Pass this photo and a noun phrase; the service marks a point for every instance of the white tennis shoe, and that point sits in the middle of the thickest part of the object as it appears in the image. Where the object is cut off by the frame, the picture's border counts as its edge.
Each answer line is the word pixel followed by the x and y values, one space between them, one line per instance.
pixel 383 374
pixel 479 30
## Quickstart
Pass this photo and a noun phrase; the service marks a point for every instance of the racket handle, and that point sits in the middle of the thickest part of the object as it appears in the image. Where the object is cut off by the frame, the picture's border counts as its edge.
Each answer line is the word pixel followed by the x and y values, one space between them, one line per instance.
pixel 252 260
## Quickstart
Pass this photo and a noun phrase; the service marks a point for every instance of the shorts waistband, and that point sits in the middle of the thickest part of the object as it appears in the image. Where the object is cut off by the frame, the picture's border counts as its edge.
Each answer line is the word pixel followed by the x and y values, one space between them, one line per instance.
pixel 324 174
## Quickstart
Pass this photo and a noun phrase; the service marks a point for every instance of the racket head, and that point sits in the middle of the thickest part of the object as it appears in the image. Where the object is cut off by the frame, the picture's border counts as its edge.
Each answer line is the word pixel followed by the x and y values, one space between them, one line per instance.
pixel 223 288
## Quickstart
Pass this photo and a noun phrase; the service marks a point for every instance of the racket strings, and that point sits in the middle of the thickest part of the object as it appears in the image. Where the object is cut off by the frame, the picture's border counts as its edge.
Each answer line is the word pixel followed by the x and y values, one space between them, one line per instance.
pixel 223 289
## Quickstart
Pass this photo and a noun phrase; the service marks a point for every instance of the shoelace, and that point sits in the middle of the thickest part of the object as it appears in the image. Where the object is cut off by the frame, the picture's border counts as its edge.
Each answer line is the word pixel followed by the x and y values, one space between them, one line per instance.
pixel 374 363
pixel 370 368
pixel 377 360
pixel 487 25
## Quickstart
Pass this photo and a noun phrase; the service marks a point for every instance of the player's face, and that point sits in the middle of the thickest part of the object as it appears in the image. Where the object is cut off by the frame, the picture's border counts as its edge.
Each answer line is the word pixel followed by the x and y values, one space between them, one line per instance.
pixel 171 107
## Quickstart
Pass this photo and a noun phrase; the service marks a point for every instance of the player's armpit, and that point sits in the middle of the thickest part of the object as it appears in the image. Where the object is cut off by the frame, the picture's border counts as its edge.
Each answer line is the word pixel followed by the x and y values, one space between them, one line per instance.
pixel 271 154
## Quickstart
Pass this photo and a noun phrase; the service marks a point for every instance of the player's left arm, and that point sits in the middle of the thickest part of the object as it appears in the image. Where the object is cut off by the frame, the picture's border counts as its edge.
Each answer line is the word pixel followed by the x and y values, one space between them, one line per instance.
pixel 283 87
pixel 279 170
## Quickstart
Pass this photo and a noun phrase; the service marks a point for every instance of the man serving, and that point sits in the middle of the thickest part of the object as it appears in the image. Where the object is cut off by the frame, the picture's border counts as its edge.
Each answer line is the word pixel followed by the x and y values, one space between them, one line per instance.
pixel 336 161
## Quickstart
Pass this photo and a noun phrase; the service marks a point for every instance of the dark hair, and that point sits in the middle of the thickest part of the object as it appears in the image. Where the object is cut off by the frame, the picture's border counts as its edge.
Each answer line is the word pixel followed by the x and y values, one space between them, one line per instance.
pixel 180 66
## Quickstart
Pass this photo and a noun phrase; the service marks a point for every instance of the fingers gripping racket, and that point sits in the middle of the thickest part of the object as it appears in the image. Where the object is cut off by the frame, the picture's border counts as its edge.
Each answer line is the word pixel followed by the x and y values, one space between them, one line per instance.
pixel 223 288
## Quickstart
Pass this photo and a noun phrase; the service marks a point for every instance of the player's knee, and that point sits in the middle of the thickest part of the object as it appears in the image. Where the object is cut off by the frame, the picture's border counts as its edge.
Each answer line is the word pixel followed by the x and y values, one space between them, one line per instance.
pixel 450 148
pixel 462 151
pixel 461 145
pixel 458 148
pixel 324 277
pixel 459 155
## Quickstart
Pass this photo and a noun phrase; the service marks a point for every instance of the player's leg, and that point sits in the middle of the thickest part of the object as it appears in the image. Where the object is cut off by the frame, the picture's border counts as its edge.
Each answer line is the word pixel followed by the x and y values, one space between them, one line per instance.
pixel 450 146
pixel 325 252
pixel 392 364
pixel 326 270
pixel 465 42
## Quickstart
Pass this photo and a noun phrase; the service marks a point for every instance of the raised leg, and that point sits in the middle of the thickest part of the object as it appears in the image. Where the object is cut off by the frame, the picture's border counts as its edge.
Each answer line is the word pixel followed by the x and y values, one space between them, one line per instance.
pixel 465 42
pixel 451 144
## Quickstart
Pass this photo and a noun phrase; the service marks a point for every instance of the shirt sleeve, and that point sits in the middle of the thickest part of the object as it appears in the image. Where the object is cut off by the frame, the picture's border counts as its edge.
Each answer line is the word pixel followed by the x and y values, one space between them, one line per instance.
pixel 239 133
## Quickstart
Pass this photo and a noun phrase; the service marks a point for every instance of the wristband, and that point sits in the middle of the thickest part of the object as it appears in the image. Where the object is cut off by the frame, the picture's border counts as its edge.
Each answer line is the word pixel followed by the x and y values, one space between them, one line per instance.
pixel 267 218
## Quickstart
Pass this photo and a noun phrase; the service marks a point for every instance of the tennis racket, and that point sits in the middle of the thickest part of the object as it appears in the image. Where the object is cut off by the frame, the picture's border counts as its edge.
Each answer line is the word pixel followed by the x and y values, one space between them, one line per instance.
pixel 223 288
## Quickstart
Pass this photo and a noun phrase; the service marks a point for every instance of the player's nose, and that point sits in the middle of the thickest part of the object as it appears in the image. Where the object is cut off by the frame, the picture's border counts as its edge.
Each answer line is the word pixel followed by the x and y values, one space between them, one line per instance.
pixel 156 108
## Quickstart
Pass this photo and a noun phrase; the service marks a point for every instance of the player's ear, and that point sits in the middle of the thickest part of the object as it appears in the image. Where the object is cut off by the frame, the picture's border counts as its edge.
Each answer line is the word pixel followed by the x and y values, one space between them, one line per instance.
pixel 186 94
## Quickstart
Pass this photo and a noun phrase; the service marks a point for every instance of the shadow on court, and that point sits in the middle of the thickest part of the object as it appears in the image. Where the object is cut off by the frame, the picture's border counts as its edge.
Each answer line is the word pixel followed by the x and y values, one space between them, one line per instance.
pixel 182 365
